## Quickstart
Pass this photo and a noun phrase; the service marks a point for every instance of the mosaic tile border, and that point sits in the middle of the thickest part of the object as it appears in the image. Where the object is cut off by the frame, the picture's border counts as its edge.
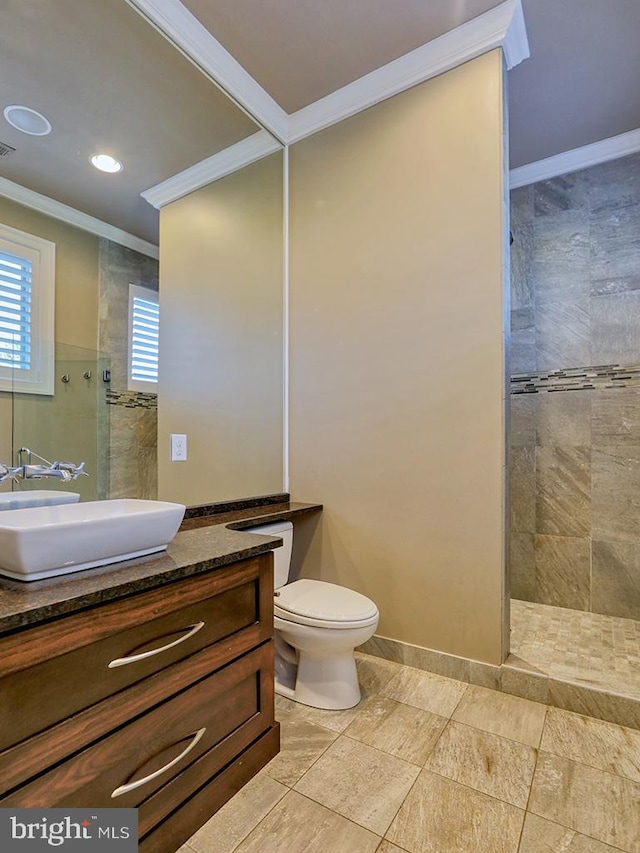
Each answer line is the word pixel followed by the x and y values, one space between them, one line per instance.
pixel 577 379
pixel 132 399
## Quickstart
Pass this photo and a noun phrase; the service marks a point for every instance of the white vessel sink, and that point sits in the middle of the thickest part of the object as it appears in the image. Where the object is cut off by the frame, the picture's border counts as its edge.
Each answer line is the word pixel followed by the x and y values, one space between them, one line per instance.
pixel 43 542
pixel 37 497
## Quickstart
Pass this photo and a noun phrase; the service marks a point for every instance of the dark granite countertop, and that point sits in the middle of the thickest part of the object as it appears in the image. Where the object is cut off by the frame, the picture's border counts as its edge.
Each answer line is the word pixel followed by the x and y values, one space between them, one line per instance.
pixel 210 536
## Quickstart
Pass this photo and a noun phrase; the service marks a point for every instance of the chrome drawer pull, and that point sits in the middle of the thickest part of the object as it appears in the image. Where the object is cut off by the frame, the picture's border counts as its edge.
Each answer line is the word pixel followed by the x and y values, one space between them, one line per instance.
pixel 131 786
pixel 193 629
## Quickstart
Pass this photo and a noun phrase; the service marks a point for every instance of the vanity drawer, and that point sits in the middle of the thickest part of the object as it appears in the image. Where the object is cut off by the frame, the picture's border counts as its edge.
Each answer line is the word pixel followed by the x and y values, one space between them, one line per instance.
pixel 190 735
pixel 49 673
pixel 170 834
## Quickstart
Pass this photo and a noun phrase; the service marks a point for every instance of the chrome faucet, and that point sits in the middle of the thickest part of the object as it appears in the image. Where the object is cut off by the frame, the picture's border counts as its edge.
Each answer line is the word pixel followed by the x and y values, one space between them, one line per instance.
pixel 64 471
pixel 24 451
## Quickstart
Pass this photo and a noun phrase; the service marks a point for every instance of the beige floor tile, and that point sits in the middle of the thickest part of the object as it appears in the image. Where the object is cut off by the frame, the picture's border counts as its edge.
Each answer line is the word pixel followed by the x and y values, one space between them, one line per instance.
pixel 401 730
pixel 491 764
pixel 235 820
pixel 301 743
pixel 359 782
pixel 441 816
pixel 593 742
pixel 543 836
pixel 425 690
pixel 299 825
pixel 388 847
pixel 503 714
pixel 594 803
pixel 336 721
pixel 374 673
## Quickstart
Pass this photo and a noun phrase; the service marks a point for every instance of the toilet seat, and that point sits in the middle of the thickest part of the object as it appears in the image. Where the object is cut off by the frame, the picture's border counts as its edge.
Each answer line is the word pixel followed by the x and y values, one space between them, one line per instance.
pixel 324 605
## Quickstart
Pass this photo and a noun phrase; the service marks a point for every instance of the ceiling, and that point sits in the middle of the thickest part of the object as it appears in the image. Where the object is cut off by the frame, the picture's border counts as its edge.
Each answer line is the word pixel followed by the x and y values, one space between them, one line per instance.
pixel 108 80
pixel 302 50
pixel 582 81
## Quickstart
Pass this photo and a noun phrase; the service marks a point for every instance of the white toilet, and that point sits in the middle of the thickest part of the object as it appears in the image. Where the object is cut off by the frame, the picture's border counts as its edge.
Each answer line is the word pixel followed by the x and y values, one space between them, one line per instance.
pixel 318 626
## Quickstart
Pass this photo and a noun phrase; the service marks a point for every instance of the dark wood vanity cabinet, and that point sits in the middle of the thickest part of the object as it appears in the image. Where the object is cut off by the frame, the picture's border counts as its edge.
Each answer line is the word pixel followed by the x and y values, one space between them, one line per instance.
pixel 162 701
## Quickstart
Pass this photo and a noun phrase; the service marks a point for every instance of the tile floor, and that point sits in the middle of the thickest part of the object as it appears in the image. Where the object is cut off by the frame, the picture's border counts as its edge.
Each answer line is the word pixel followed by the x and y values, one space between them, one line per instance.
pixel 583 648
pixel 426 764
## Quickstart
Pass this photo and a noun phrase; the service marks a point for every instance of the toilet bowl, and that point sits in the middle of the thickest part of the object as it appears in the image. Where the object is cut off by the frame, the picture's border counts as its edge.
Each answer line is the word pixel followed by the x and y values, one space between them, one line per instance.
pixel 318 625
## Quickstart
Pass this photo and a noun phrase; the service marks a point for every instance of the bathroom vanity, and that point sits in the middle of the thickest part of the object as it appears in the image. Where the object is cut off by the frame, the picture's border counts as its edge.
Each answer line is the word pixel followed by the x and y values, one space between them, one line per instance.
pixel 146 685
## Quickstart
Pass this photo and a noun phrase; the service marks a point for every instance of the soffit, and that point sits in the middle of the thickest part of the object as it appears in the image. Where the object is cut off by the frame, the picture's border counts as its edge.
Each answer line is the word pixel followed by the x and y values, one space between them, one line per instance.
pixel 107 81
pixel 301 50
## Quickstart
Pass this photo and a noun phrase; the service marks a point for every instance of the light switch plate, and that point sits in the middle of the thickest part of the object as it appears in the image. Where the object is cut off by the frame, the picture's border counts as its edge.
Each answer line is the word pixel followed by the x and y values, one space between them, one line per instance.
pixel 178 448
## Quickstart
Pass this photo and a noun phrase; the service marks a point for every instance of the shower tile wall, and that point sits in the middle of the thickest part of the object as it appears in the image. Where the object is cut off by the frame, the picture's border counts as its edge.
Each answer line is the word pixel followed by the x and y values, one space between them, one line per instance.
pixel 575 454
pixel 133 465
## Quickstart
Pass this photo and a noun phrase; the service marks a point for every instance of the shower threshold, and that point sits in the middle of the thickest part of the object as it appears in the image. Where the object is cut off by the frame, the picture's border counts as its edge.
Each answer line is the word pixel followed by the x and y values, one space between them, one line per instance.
pixel 584 662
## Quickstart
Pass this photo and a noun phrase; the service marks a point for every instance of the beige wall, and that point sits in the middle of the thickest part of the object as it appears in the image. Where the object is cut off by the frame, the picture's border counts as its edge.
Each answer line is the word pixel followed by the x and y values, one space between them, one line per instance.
pixel 221 361
pixel 76 316
pixel 397 375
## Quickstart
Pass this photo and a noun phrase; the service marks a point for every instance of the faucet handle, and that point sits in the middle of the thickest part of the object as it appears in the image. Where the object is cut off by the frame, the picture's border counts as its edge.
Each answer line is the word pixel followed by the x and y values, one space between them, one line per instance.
pixel 70 471
pixel 7 473
pixel 78 471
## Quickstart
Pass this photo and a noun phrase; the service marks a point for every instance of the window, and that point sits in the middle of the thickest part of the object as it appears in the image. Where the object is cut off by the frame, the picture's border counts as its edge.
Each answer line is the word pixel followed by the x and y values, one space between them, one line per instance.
pixel 144 326
pixel 27 300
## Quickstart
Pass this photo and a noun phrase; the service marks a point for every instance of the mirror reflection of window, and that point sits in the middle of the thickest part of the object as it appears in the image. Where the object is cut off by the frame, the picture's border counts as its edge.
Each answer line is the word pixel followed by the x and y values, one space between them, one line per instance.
pixel 144 335
pixel 27 294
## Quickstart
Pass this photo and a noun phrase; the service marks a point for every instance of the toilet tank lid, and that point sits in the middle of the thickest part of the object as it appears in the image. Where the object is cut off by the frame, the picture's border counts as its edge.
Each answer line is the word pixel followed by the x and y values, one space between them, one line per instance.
pixel 325 601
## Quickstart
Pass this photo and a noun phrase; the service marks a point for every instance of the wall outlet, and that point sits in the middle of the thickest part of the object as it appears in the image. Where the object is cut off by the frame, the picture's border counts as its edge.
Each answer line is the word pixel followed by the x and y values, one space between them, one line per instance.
pixel 178 448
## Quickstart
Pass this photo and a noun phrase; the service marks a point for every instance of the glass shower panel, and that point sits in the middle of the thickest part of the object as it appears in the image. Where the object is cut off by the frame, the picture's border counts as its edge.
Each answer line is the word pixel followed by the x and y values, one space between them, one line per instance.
pixel 70 426
pixel 6 406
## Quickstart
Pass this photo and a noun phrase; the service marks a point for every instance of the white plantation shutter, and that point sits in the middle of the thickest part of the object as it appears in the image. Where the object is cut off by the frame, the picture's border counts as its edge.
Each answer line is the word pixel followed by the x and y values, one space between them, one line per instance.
pixel 15 311
pixel 27 299
pixel 144 338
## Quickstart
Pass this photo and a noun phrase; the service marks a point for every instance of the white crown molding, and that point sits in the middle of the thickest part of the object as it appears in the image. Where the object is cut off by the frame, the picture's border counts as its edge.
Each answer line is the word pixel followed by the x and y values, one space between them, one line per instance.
pixel 502 26
pixel 51 207
pixel 516 41
pixel 223 163
pixel 578 158
pixel 182 28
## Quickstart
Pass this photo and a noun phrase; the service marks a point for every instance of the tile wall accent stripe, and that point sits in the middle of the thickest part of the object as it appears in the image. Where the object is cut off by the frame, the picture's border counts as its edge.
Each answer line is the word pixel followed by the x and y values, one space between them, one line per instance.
pixel 577 379
pixel 132 399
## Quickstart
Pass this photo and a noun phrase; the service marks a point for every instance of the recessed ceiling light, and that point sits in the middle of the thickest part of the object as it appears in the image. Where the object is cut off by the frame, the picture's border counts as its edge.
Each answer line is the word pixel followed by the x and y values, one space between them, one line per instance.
pixel 27 120
pixel 107 163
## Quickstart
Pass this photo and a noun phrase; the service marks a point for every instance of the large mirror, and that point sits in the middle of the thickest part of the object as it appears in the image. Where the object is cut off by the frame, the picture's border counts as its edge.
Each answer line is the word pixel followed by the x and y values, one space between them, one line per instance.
pixel 108 82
